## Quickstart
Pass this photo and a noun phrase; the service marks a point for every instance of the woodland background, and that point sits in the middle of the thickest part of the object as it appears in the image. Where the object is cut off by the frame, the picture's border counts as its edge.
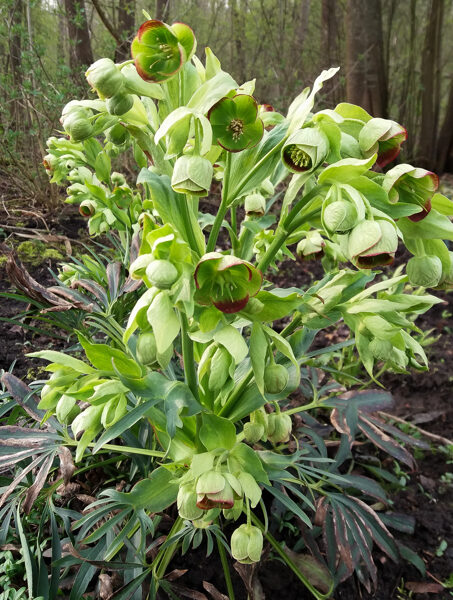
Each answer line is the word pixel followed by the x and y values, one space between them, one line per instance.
pixel 396 59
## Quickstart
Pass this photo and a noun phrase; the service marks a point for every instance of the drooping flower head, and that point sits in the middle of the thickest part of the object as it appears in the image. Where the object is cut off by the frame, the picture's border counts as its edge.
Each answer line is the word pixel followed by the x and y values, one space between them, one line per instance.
pixel 226 282
pixel 373 243
pixel 384 137
pixel 235 122
pixel 411 185
pixel 160 51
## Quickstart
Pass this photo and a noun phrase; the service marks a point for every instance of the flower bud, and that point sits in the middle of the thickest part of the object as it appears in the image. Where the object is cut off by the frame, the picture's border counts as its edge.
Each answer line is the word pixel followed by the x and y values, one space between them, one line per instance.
pixel 247 544
pixel 275 379
pixel 219 371
pixel 162 274
pixel 187 503
pixel 137 269
pixel 119 104
pixel 311 246
pixel 105 77
pixel 339 216
pixel 253 432
pixel 117 134
pixel 279 427
pixel 146 348
pixel 118 179
pixel 255 205
pixel 446 282
pixel 192 175
pixel 305 150
pixel 425 271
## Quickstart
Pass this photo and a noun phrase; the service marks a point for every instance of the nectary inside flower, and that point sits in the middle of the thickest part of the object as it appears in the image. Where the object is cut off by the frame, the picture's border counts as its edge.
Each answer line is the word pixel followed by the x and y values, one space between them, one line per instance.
pixel 297 158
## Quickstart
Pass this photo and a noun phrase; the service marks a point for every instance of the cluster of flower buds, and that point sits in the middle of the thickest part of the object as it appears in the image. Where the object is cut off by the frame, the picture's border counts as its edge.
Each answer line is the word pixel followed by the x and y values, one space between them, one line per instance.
pixel 110 84
pixel 275 427
pixel 371 242
pixel 76 121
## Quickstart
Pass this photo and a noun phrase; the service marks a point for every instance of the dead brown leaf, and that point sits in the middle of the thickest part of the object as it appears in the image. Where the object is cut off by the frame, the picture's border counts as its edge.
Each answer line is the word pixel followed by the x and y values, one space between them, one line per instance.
pixel 213 591
pixel 249 575
pixel 421 587
pixel 67 466
pixel 105 586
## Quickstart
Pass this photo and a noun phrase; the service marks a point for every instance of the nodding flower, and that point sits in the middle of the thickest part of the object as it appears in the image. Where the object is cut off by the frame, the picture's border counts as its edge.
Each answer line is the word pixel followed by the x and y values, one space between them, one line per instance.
pixel 411 185
pixel 226 282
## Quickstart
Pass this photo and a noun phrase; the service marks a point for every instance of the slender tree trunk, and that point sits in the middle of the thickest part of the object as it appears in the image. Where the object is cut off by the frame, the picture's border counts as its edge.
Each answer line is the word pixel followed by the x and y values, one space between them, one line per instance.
pixel 15 53
pixel 126 29
pixel 366 78
pixel 445 141
pixel 237 35
pixel 80 53
pixel 430 85
pixel 329 48
pixel 162 10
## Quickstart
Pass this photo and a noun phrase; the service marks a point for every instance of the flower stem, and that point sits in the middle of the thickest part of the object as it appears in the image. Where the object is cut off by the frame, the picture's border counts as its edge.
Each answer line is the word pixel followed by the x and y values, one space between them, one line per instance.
pixel 277 547
pixel 212 241
pixel 187 356
pixel 164 557
pixel 226 569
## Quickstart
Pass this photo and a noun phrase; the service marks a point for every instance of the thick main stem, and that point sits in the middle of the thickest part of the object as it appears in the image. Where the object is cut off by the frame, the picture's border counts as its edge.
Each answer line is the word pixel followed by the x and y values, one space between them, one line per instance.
pixel 187 356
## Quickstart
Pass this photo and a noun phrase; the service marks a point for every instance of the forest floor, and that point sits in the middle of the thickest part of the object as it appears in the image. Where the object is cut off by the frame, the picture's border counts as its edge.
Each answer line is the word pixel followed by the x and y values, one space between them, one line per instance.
pixel 423 399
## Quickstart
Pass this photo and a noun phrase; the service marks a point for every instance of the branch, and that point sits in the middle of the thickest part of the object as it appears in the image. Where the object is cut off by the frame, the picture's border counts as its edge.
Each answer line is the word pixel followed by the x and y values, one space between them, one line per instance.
pixel 106 22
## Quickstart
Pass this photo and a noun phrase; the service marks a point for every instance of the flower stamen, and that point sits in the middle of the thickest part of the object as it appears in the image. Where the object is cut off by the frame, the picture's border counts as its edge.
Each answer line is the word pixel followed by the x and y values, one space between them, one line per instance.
pixel 237 128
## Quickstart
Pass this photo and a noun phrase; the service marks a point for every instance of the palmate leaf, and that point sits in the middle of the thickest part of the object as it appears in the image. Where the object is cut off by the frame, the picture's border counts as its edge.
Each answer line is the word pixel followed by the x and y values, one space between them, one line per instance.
pixel 350 528
pixel 354 412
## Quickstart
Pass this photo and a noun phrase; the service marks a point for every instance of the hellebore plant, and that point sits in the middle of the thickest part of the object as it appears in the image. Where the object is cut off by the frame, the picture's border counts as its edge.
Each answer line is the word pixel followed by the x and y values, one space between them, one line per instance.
pixel 199 375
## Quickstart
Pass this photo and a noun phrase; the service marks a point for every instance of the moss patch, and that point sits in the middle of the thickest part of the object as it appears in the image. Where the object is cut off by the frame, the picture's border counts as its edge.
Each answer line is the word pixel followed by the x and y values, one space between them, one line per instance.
pixel 36 252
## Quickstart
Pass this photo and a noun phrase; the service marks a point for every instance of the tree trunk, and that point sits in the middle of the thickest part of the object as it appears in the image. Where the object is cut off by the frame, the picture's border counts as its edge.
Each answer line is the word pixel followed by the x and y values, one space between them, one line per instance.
pixel 162 10
pixel 366 82
pixel 445 141
pixel 126 28
pixel 329 48
pixel 237 36
pixel 80 53
pixel 430 85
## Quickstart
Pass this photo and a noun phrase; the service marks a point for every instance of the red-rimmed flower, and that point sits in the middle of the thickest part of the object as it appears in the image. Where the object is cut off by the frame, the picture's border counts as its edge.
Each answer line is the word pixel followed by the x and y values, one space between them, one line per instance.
pixel 373 243
pixel 157 52
pixel 411 185
pixel 384 137
pixel 226 282
pixel 235 122
pixel 214 491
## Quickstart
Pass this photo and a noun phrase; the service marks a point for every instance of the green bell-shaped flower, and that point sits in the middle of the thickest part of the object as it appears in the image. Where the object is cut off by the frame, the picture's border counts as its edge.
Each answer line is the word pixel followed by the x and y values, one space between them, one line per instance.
pixel 305 150
pixel 105 77
pixel 159 51
pixel 373 243
pixel 411 185
pixel 255 205
pixel 226 282
pixel 214 491
pixel 117 134
pixel 187 503
pixel 146 349
pixel 384 137
pixel 235 122
pixel 425 271
pixel 311 246
pixel 192 175
pixel 247 544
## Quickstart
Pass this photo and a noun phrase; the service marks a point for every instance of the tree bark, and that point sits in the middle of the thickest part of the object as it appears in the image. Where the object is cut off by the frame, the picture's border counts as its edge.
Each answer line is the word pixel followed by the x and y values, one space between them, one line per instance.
pixel 80 53
pixel 430 85
pixel 126 29
pixel 162 10
pixel 366 81
pixel 445 141
pixel 329 48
